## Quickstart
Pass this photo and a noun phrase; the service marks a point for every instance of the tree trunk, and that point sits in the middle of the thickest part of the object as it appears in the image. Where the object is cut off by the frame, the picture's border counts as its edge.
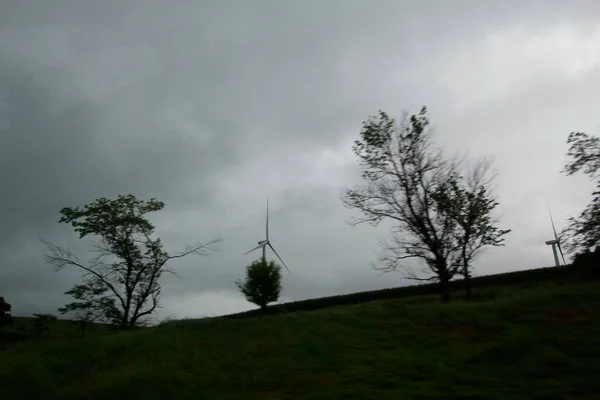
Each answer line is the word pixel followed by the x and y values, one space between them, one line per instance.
pixel 468 285
pixel 126 321
pixel 445 288
pixel 466 274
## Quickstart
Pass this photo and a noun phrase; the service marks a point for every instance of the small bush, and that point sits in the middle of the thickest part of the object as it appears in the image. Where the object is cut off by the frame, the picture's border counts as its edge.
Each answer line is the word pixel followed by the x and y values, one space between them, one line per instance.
pixel 262 284
pixel 42 323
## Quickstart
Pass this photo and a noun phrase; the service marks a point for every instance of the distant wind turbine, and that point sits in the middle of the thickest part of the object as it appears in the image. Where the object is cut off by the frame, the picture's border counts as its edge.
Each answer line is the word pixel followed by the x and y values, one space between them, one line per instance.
pixel 555 243
pixel 264 243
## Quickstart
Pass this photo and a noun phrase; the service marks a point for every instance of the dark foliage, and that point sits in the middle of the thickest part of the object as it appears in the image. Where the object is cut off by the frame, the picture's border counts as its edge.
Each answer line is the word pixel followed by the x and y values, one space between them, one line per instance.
pixel 5 315
pixel 42 323
pixel 262 284
pixel 90 306
pixel 588 259
pixel 583 232
pixel 12 336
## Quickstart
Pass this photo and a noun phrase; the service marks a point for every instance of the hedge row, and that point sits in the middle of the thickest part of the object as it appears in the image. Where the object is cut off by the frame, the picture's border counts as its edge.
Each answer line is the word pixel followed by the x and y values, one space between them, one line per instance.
pixel 538 274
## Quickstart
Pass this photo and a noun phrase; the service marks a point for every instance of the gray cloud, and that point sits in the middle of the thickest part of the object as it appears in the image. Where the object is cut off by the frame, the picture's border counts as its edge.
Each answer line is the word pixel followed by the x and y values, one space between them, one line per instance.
pixel 212 107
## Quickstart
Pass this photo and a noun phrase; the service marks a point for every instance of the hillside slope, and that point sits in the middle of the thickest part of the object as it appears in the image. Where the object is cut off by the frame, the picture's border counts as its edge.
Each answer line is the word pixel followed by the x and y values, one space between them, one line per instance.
pixel 538 344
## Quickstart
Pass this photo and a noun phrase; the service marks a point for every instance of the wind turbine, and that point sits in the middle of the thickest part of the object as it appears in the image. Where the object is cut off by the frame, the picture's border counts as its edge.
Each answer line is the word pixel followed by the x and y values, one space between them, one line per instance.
pixel 555 243
pixel 264 243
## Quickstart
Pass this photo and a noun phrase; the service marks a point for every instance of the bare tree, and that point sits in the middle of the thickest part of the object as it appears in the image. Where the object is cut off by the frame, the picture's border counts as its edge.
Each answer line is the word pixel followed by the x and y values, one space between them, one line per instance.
pixel 401 170
pixel 129 263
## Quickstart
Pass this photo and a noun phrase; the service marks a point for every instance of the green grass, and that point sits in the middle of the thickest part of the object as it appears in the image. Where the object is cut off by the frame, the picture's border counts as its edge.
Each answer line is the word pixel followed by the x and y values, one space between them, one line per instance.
pixel 512 342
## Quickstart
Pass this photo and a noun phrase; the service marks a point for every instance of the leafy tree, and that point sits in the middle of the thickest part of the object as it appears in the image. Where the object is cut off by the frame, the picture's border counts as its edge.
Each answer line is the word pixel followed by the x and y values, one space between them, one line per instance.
pixel 91 306
pixel 42 323
pixel 470 203
pixel 129 263
pixel 262 284
pixel 583 232
pixel 403 176
pixel 5 316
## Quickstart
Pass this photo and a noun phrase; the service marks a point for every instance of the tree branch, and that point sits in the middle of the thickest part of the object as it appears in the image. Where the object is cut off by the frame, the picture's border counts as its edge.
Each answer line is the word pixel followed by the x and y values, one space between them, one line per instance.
pixel 202 249
pixel 59 258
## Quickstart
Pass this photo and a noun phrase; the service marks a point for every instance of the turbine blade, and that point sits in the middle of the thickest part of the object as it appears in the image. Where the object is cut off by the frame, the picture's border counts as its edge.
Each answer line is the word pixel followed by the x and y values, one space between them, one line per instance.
pixel 257 247
pixel 561 252
pixel 267 219
pixel 553 228
pixel 288 270
pixel 557 238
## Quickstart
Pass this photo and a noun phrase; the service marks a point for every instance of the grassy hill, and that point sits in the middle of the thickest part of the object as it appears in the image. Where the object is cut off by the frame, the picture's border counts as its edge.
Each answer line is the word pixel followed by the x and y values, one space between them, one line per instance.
pixel 61 328
pixel 519 341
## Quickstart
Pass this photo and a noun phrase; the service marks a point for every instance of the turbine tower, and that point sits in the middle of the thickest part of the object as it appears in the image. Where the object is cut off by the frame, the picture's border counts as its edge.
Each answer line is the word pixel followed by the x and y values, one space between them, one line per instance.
pixel 555 244
pixel 264 243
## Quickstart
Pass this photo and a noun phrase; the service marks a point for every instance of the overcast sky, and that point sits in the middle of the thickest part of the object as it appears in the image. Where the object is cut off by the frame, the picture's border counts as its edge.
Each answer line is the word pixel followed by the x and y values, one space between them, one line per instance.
pixel 211 106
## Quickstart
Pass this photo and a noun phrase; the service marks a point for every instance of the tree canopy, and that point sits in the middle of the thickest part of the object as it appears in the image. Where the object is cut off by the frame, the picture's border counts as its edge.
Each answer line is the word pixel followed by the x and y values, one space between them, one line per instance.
pixel 262 284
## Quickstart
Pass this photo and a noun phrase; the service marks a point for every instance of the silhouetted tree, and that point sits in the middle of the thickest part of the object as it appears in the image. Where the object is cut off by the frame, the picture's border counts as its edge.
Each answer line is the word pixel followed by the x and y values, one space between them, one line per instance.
pixel 130 262
pixel 5 315
pixel 401 170
pixel 262 284
pixel 583 232
pixel 91 306
pixel 470 202
pixel 440 218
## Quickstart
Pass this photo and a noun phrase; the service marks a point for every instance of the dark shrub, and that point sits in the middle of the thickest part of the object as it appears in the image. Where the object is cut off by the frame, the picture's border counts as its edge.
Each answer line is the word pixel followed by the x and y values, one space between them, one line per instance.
pixel 5 316
pixel 11 336
pixel 588 263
